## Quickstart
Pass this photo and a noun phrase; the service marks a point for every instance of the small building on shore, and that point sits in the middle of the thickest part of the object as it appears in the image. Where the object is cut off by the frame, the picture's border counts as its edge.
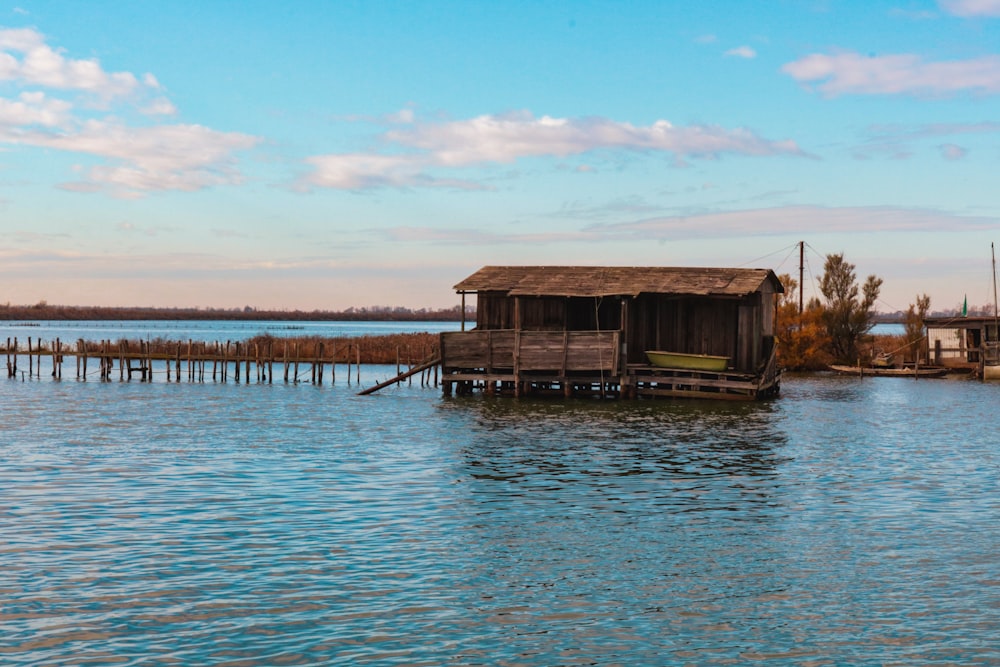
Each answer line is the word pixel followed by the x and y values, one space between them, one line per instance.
pixel 592 330
pixel 966 343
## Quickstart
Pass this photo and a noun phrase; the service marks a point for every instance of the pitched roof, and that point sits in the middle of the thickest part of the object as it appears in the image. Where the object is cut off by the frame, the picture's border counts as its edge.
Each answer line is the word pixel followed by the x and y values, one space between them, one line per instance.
pixel 592 281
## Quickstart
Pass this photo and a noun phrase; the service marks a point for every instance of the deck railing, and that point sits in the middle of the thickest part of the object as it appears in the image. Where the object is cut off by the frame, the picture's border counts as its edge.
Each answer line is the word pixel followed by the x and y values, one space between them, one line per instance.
pixel 507 350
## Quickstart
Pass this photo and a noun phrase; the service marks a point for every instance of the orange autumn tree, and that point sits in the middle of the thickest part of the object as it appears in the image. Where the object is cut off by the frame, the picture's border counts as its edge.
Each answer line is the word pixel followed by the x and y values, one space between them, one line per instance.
pixel 803 341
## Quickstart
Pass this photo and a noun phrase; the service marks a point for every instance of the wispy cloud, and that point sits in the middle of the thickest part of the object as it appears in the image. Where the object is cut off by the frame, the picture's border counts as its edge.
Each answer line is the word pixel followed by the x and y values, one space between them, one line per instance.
pixel 953 152
pixel 969 8
pixel 913 14
pixel 415 150
pixel 795 219
pixel 937 129
pixel 138 159
pixel 742 52
pixel 896 141
pixel 745 223
pixel 902 74
pixel 478 237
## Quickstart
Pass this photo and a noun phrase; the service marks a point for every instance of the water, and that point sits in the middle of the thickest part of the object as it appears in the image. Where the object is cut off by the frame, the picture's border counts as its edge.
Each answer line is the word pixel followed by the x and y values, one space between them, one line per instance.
pixel 202 330
pixel 848 522
pixel 888 329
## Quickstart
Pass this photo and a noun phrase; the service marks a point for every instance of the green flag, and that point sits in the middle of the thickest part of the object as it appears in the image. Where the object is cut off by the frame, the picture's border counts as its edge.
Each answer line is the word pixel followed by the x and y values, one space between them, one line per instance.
pixel 965 306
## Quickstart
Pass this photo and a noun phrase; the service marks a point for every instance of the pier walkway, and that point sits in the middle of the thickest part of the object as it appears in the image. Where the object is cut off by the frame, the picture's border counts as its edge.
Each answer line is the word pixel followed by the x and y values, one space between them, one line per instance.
pixel 196 361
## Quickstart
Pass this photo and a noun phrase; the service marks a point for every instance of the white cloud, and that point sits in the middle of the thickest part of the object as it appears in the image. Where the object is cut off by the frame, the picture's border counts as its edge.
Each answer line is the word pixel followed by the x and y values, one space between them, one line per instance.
pixel 901 74
pixel 138 159
pixel 164 157
pixel 41 65
pixel 32 109
pixel 161 106
pixel 503 139
pixel 358 171
pixel 971 7
pixel 20 39
pixel 742 52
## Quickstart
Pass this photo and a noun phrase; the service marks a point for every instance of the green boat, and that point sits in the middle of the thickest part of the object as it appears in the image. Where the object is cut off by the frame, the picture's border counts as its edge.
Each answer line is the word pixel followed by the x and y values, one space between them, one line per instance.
pixel 694 362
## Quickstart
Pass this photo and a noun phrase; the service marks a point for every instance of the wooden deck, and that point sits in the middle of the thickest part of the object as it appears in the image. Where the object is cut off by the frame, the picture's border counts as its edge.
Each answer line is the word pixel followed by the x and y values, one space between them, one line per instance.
pixel 581 363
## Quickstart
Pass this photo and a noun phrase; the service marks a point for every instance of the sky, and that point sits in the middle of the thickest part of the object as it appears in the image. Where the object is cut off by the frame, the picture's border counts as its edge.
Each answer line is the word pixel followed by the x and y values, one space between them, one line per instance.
pixel 323 155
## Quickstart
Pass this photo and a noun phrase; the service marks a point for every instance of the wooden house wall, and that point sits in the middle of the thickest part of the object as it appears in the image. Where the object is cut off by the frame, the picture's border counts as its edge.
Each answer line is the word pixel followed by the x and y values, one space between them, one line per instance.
pixel 687 324
pixel 749 345
pixel 768 303
pixel 592 314
pixel 543 314
pixel 494 310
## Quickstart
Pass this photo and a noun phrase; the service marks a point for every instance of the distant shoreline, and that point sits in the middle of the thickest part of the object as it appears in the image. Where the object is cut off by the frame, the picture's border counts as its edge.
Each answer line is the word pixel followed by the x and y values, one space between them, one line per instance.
pixel 372 314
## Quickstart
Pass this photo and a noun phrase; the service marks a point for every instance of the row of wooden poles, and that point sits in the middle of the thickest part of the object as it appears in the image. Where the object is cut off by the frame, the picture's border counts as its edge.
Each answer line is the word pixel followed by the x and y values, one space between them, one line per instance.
pixel 192 359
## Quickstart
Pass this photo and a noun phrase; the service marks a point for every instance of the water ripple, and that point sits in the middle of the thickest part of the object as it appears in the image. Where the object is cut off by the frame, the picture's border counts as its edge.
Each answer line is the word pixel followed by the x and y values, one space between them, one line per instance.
pixel 849 522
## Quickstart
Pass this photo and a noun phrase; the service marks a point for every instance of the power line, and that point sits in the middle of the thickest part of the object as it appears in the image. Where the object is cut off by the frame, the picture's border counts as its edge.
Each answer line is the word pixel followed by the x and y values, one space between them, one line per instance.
pixel 789 248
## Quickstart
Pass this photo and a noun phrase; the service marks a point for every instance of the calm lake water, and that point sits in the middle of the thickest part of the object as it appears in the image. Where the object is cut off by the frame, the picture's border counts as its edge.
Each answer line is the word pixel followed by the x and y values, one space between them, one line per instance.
pixel 848 522
pixel 201 330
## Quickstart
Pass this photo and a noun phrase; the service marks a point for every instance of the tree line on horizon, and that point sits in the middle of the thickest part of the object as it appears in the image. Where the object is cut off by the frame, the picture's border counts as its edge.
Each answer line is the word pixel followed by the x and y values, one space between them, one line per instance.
pixel 45 311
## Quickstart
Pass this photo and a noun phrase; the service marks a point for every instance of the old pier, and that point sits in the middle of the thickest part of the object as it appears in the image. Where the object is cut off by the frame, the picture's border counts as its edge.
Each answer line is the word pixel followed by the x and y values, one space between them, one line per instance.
pixel 290 361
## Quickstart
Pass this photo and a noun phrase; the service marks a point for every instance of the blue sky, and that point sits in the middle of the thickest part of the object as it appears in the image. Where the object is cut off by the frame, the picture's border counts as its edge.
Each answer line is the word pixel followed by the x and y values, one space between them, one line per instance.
pixel 321 155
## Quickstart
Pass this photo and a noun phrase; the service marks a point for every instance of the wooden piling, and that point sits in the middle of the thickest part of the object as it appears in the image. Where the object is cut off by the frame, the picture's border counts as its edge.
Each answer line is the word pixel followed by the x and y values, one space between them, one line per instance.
pixel 256 361
pixel 286 361
pixel 320 357
pixel 270 361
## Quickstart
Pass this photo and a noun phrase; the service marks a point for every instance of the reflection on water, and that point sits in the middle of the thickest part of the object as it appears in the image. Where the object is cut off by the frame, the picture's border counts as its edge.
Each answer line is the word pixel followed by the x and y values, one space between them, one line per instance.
pixel 849 522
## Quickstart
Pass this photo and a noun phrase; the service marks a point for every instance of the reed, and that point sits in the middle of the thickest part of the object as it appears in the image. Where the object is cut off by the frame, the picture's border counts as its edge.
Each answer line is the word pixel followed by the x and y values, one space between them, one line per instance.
pixel 381 349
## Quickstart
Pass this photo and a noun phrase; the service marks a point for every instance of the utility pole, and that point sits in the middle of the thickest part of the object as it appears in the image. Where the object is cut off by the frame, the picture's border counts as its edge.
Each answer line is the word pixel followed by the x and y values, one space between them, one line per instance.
pixel 802 285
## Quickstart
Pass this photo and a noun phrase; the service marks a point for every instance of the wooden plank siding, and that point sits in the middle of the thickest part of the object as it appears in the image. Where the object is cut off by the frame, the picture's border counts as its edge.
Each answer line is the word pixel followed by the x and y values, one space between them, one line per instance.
pixel 688 325
pixel 560 352
pixel 496 311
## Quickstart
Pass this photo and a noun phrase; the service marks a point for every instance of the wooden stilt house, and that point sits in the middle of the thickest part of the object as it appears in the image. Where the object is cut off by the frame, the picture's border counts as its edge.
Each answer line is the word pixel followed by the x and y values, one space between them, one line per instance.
pixel 588 330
